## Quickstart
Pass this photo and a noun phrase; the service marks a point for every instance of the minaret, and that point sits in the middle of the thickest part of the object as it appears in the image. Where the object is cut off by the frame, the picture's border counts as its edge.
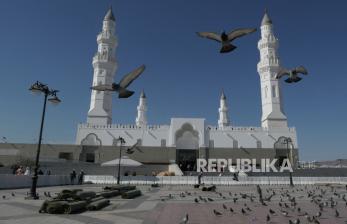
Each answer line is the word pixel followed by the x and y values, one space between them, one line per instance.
pixel 105 65
pixel 268 66
pixel 223 120
pixel 141 119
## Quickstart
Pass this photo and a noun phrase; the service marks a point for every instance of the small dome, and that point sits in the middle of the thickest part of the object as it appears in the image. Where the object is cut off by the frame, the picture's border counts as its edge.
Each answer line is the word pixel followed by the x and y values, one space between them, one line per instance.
pixel 266 20
pixel 109 15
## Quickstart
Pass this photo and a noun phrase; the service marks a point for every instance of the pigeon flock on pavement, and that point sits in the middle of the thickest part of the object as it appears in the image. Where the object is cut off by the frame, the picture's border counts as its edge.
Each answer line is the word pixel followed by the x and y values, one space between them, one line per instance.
pixel 288 203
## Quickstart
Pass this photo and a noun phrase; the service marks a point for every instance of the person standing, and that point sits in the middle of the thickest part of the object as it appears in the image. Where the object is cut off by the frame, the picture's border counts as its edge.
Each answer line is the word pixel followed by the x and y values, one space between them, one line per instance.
pixel 199 178
pixel 27 171
pixel 80 177
pixel 72 177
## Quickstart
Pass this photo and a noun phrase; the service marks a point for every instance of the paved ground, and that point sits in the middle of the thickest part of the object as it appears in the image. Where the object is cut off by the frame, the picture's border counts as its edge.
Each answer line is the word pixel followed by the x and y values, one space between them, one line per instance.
pixel 156 206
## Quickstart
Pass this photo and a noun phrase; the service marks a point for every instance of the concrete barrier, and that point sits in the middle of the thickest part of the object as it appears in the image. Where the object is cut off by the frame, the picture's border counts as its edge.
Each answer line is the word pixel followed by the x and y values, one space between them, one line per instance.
pixel 9 181
pixel 191 180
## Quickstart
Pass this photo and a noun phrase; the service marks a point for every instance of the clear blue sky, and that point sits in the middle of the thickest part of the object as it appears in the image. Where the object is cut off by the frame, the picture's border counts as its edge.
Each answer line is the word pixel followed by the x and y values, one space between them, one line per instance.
pixel 54 41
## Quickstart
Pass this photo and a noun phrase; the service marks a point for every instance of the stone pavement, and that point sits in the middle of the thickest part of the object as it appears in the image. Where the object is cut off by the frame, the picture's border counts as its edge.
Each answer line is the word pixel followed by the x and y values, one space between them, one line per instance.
pixel 169 204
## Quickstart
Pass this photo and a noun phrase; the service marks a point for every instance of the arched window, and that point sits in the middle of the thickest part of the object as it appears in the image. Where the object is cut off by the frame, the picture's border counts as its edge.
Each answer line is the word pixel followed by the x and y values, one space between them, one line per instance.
pixel 273 91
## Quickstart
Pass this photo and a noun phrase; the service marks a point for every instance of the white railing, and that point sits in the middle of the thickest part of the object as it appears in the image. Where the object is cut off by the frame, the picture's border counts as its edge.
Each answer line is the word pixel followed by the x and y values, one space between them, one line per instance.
pixel 246 129
pixel 191 180
pixel 122 126
pixel 9 181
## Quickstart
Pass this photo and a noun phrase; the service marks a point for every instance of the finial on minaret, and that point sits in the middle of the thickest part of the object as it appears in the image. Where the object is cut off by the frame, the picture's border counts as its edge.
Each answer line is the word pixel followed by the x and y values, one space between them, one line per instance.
pixel 143 95
pixel 109 15
pixel 223 95
pixel 266 19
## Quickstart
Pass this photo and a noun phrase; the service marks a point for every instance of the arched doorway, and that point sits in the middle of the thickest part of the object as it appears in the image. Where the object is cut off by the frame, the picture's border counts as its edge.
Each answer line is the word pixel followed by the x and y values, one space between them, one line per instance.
pixel 284 149
pixel 89 145
pixel 187 147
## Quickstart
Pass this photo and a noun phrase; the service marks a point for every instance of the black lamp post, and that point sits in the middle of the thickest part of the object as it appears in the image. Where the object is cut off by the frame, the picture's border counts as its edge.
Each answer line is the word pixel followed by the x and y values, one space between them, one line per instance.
pixel 39 88
pixel 122 141
pixel 289 155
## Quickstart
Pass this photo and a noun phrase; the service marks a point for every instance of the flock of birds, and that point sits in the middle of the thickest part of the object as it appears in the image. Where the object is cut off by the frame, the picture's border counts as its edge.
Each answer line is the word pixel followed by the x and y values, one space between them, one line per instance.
pixel 225 39
pixel 304 204
pixel 288 203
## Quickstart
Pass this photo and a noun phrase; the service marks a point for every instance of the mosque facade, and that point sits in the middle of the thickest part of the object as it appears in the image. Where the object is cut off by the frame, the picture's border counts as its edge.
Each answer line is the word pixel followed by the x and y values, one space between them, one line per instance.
pixel 183 140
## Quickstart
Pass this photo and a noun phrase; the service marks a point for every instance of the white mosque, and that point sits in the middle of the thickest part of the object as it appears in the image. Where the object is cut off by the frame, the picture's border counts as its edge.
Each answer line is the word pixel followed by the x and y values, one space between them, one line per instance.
pixel 189 138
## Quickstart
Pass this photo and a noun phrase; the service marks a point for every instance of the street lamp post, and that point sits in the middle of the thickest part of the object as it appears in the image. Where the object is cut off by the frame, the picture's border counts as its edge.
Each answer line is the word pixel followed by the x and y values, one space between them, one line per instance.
pixel 122 141
pixel 41 88
pixel 290 158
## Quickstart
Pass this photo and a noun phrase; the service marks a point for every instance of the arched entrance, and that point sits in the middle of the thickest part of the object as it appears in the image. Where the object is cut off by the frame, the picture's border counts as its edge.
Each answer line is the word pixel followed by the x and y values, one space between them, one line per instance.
pixel 89 145
pixel 284 149
pixel 187 147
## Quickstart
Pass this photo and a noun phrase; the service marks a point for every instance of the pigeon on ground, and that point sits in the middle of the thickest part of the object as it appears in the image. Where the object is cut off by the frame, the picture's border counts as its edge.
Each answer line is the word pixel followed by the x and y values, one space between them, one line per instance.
pixel 226 39
pixel 284 213
pixel 216 212
pixel 272 212
pixel 231 209
pixel 224 206
pixel 268 218
pixel 185 219
pixel 292 73
pixel 13 195
pixel 337 214
pixel 243 211
pixel 121 87
pixel 297 221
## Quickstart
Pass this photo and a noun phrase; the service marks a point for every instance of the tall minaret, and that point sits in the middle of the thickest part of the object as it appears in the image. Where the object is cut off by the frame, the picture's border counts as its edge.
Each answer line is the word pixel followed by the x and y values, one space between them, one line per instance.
pixel 268 66
pixel 105 65
pixel 223 120
pixel 141 119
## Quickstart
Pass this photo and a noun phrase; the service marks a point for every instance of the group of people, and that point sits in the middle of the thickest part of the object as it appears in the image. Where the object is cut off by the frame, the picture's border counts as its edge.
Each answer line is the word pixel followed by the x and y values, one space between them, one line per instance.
pixel 21 171
pixel 27 171
pixel 73 176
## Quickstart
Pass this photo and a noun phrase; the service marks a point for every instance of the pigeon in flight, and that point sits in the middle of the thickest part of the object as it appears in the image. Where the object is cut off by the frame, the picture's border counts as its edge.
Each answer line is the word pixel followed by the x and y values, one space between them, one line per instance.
pixel 131 149
pixel 226 39
pixel 121 87
pixel 293 74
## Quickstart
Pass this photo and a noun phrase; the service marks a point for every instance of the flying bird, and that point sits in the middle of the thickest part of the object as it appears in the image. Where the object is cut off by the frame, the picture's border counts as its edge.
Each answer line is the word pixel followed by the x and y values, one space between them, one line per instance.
pixel 121 87
pixel 292 73
pixel 131 149
pixel 226 39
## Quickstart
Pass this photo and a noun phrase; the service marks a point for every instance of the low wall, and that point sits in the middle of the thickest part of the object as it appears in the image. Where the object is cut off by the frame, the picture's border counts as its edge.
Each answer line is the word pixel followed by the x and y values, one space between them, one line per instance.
pixel 8 181
pixel 191 180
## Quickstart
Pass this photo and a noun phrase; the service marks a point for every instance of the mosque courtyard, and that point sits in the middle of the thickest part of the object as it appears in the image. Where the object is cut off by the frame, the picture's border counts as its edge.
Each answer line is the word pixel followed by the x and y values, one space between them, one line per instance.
pixel 170 204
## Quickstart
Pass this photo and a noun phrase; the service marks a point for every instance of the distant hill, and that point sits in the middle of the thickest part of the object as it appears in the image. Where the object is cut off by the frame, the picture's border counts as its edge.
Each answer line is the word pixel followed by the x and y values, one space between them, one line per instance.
pixel 332 163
